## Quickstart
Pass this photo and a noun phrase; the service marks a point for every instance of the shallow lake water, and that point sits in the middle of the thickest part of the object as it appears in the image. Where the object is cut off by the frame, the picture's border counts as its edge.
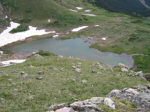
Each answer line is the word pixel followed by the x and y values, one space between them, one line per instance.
pixel 76 47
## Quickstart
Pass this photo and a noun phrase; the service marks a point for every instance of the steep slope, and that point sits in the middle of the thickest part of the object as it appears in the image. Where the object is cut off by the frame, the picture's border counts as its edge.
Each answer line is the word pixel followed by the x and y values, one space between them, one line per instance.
pixel 136 7
pixel 125 33
pixel 41 11
pixel 45 80
pixel 3 18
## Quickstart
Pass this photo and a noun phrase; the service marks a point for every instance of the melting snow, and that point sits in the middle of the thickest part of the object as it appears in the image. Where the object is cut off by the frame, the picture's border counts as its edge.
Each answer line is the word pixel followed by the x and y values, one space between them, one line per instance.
pixel 79 28
pixel 49 20
pixel 73 10
pixel 88 10
pixel 12 62
pixel 104 38
pixel 6 17
pixel 79 8
pixel 96 25
pixel 89 15
pixel 6 37
pixel 55 36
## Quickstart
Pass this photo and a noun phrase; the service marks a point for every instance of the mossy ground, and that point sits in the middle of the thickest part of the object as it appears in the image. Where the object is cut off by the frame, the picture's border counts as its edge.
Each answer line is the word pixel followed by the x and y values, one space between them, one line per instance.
pixel 121 106
pixel 59 83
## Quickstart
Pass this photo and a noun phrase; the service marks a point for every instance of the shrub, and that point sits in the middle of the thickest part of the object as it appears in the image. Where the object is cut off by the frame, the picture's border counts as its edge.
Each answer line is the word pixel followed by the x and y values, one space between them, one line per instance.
pixel 45 53
pixel 20 28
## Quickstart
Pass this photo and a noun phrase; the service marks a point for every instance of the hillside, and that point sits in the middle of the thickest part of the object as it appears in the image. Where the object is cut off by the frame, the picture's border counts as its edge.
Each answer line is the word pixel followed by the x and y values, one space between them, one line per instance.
pixel 46 80
pixel 120 29
pixel 38 12
pixel 135 7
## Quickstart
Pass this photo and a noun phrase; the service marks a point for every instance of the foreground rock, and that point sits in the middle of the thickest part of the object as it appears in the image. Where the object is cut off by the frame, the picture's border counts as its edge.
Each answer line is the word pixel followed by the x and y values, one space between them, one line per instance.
pixel 139 95
pixel 89 105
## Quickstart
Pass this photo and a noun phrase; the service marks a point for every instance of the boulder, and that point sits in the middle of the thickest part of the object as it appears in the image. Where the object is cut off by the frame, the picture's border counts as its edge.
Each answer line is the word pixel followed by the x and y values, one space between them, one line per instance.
pixel 110 103
pixel 84 105
pixel 139 95
pixel 57 106
pixel 39 78
pixel 78 70
pixel 84 81
pixel 124 70
pixel 140 73
pixel 65 109
pixel 97 100
pixel 147 76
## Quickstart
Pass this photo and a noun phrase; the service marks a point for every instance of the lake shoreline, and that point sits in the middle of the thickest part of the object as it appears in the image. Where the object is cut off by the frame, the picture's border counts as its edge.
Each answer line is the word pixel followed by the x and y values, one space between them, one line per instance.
pixel 75 47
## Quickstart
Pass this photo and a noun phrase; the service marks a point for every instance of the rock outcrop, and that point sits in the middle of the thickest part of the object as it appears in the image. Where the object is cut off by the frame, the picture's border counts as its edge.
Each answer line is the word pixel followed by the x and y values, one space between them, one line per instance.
pixel 139 95
pixel 89 105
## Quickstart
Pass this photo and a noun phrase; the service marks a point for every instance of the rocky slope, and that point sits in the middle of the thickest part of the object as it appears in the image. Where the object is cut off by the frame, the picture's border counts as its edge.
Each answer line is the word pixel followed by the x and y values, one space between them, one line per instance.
pixel 136 7
pixel 37 11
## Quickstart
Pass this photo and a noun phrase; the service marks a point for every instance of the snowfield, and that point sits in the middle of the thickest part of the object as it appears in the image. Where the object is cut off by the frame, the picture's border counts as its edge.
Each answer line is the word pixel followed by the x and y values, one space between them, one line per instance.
pixel 6 37
pixel 12 62
pixel 79 28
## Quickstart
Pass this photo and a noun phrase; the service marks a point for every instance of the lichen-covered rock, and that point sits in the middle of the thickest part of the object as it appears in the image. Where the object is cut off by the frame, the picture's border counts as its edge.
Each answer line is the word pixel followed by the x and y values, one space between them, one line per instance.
pixel 65 109
pixel 57 106
pixel 110 103
pixel 89 105
pixel 84 105
pixel 147 76
pixel 139 95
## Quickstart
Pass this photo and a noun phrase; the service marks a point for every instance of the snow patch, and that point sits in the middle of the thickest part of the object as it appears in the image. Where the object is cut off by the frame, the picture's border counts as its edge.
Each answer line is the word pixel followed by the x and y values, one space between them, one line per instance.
pixel 55 36
pixel 73 10
pixel 79 8
pixel 144 4
pixel 12 62
pixel 104 38
pixel 49 20
pixel 1 52
pixel 88 10
pixel 79 28
pixel 6 37
pixel 96 25
pixel 92 15
pixel 6 17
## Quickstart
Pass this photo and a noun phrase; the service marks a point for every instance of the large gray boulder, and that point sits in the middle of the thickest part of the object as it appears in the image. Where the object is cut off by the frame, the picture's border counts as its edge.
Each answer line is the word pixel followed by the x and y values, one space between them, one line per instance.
pixel 89 105
pixel 139 95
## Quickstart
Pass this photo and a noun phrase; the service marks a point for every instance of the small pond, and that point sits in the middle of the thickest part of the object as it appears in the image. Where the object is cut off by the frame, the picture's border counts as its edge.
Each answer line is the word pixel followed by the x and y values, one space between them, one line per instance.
pixel 76 47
